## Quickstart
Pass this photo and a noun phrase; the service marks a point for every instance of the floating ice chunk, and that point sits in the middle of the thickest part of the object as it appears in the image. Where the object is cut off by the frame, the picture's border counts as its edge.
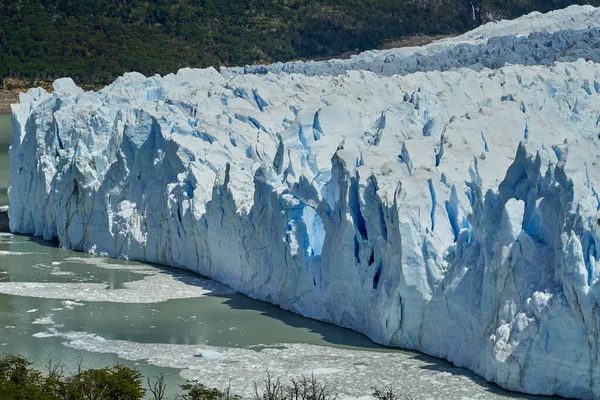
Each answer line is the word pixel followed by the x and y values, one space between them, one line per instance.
pixel 210 354
pixel 42 335
pixel 47 320
pixel 69 305
pixel 324 371
pixel 151 289
pixel 350 373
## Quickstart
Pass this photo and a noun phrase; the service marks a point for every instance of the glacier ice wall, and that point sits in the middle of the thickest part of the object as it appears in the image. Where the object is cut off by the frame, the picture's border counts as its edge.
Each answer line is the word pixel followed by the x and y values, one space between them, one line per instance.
pixel 454 212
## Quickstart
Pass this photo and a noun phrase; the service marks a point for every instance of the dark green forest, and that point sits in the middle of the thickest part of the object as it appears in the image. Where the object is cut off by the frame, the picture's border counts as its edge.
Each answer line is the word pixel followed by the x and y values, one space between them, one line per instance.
pixel 94 41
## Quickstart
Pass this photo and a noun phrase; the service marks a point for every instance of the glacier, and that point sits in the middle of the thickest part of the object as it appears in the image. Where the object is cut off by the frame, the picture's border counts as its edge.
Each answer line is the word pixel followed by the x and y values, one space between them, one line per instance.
pixel 535 39
pixel 449 206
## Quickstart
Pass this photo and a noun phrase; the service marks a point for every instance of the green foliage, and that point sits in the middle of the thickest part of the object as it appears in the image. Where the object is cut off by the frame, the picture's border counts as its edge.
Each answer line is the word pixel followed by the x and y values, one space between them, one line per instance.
pixel 18 381
pixel 94 41
pixel 198 391
pixel 115 383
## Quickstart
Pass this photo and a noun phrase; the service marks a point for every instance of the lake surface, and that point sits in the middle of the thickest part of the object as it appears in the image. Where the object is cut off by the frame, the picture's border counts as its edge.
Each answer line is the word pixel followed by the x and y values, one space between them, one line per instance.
pixel 72 307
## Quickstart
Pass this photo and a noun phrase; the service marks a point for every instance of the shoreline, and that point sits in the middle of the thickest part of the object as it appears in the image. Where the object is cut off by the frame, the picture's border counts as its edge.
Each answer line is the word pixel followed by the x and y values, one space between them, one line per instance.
pixel 8 97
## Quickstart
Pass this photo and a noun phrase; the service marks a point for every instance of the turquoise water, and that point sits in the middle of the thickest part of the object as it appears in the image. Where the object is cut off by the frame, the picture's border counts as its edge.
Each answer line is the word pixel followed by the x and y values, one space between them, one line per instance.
pixel 229 320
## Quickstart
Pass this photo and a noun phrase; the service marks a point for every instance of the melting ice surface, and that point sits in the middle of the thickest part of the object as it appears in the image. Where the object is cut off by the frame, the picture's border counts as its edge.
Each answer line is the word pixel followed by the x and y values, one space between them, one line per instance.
pixel 451 211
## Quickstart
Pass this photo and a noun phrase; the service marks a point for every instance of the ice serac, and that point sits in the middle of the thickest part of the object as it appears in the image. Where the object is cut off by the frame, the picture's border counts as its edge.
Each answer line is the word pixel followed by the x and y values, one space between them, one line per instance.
pixel 453 212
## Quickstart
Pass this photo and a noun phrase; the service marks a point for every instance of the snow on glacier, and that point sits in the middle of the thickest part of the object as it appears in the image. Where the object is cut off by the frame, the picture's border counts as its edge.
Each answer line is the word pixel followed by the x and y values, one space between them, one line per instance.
pixel 453 212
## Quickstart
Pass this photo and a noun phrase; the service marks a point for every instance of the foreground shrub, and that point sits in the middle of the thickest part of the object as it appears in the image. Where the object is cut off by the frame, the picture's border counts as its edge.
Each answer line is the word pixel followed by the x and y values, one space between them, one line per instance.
pixel 19 381
pixel 303 388
pixel 115 383
pixel 199 391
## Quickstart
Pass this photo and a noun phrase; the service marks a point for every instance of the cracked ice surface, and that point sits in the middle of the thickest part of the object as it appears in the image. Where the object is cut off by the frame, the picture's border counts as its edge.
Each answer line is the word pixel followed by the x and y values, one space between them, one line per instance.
pixel 451 212
pixel 535 39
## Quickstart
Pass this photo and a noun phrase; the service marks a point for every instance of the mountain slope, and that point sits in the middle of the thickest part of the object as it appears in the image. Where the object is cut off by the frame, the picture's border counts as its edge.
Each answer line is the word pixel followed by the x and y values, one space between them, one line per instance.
pixel 97 40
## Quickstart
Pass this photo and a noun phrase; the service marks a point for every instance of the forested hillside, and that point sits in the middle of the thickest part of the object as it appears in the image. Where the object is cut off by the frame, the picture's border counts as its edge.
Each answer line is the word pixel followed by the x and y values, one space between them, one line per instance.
pixel 96 40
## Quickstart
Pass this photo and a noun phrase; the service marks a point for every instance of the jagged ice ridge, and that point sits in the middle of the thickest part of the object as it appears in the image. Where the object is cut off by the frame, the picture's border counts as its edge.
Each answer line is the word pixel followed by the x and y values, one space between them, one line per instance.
pixel 454 212
pixel 535 39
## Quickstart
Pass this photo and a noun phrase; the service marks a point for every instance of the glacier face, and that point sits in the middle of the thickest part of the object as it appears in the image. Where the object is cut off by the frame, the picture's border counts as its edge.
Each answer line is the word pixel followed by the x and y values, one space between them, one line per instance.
pixel 453 212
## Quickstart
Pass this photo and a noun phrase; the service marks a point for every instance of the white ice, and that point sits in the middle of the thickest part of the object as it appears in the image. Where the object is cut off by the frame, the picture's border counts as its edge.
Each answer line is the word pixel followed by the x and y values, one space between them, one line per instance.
pixel 155 287
pixel 454 211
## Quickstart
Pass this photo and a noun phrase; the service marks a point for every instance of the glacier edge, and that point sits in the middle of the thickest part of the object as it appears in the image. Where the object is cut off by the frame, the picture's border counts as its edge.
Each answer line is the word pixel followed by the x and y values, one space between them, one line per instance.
pixel 455 213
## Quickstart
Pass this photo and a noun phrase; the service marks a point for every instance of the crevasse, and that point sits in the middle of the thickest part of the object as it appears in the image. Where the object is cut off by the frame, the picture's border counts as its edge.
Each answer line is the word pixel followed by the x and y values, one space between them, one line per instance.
pixel 453 212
